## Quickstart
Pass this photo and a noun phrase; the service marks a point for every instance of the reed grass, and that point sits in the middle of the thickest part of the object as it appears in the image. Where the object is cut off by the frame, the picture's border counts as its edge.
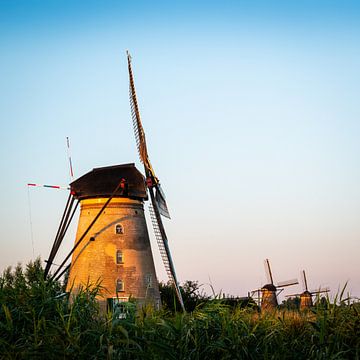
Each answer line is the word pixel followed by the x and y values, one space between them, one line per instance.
pixel 37 323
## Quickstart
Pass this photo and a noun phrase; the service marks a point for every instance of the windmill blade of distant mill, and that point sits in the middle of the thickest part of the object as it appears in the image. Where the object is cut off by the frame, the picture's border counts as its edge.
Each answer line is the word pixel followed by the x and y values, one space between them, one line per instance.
pixel 268 272
pixel 292 295
pixel 279 291
pixel 320 290
pixel 304 281
pixel 141 144
pixel 256 291
pixel 287 283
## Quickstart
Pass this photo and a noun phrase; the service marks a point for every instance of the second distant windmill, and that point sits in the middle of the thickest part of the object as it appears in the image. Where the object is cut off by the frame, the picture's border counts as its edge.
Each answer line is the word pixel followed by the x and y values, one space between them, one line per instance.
pixel 306 297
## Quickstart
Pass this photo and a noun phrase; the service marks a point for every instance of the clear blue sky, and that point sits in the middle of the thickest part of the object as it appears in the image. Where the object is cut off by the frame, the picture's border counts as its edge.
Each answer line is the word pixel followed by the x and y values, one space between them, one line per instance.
pixel 251 111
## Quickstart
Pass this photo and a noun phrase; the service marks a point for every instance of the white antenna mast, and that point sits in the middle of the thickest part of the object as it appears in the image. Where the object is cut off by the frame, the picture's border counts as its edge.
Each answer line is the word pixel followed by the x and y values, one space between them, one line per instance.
pixel 69 157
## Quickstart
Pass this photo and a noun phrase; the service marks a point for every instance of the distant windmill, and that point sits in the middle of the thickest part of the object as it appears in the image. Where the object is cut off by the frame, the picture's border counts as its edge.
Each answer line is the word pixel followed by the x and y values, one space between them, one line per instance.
pixel 306 296
pixel 270 291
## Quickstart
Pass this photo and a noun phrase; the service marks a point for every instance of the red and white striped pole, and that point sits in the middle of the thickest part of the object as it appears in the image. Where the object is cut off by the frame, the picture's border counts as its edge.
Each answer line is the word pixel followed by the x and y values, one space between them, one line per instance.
pixel 50 186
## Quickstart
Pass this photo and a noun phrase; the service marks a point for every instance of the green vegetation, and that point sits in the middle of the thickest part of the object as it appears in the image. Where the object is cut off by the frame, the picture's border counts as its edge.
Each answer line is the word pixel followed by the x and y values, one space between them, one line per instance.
pixel 37 322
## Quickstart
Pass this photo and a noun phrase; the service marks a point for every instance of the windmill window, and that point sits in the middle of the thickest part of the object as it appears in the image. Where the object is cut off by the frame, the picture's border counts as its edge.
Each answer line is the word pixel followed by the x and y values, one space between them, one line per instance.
pixel 119 285
pixel 119 257
pixel 148 280
pixel 119 229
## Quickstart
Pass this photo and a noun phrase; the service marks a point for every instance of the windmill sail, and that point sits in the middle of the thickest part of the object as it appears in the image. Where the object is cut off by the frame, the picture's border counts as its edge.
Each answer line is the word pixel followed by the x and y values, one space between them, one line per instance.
pixel 292 295
pixel 287 283
pixel 161 202
pixel 141 145
pixel 268 272
pixel 315 291
pixel 164 247
pixel 158 198
pixel 138 129
pixel 304 281
pixel 320 290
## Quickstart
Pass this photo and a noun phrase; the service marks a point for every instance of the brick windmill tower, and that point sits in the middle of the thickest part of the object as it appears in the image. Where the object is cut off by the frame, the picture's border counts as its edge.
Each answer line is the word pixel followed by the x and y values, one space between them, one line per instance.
pixel 116 250
pixel 112 244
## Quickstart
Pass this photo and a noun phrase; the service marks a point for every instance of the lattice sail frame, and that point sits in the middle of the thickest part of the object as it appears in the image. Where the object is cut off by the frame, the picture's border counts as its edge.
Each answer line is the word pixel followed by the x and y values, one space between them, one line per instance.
pixel 158 202
pixel 137 125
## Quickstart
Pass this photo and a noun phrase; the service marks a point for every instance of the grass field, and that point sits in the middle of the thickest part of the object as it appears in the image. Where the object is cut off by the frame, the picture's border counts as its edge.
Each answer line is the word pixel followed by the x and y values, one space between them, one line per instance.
pixel 37 323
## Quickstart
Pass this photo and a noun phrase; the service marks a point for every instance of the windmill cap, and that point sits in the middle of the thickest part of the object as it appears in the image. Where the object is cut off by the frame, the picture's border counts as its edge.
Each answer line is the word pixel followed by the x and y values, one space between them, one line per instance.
pixel 269 287
pixel 101 182
pixel 306 293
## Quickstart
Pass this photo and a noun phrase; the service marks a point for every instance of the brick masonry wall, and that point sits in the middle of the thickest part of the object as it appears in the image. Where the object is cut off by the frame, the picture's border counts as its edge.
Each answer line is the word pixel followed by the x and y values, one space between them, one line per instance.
pixel 268 300
pixel 95 258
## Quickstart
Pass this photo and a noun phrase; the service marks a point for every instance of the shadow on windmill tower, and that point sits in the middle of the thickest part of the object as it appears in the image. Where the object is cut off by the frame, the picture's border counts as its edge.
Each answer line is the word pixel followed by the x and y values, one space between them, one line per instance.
pixel 112 244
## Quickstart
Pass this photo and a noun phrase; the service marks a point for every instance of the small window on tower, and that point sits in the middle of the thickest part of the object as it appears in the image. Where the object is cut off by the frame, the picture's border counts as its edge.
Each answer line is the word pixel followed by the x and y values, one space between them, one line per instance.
pixel 119 285
pixel 148 280
pixel 119 229
pixel 119 257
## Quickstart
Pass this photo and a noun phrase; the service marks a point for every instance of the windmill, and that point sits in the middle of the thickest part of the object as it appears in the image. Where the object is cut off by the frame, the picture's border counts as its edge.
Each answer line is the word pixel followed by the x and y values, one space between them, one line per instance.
pixel 112 244
pixel 270 291
pixel 306 296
